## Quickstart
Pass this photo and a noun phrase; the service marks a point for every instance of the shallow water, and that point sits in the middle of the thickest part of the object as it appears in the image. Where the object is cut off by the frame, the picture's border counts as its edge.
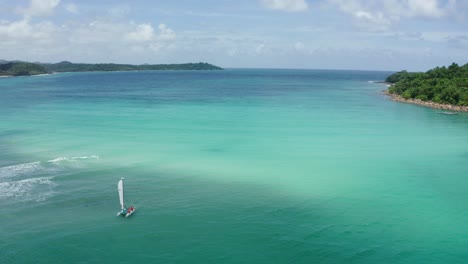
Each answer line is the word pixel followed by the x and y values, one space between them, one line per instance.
pixel 235 166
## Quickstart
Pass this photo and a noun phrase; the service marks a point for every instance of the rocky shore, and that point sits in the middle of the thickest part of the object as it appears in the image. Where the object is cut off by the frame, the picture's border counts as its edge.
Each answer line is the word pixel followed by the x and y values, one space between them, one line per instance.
pixel 398 98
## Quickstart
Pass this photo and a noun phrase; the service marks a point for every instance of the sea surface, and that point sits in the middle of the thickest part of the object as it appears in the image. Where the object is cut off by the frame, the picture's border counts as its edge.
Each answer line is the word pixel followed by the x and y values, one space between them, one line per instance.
pixel 235 166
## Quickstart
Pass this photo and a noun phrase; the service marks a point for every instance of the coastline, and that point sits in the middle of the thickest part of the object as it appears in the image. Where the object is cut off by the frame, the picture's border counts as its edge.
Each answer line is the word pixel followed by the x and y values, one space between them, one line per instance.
pixel 430 104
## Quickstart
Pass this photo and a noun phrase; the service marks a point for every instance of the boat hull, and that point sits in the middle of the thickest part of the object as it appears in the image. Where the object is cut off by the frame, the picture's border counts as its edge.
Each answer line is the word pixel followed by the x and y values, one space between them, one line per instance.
pixel 130 213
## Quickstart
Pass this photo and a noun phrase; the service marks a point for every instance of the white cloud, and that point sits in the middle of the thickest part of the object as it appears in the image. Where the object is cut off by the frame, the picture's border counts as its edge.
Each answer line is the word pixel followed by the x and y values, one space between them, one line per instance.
pixel 143 32
pixel 428 8
pixel 23 30
pixel 373 21
pixel 18 29
pixel 381 15
pixel 286 5
pixel 41 7
pixel 72 8
pixel 95 41
pixel 166 33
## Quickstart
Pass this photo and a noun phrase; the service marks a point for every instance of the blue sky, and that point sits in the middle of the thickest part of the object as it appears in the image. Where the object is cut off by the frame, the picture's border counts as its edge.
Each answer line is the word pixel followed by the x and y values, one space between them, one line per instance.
pixel 314 34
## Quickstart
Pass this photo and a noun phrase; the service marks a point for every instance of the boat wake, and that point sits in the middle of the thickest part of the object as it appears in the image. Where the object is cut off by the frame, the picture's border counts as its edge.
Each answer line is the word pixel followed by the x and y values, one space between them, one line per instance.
pixel 34 181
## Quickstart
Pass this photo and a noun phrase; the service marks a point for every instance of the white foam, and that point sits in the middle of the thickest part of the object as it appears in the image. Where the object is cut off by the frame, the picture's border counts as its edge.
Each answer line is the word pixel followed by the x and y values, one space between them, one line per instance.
pixel 59 159
pixel 38 167
pixel 20 169
pixel 32 189
pixel 43 74
pixel 33 181
pixel 85 157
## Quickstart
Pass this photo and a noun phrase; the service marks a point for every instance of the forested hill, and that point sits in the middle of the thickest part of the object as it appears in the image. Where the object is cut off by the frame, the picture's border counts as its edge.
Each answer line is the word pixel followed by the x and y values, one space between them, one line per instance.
pixel 66 66
pixel 26 68
pixel 21 69
pixel 447 85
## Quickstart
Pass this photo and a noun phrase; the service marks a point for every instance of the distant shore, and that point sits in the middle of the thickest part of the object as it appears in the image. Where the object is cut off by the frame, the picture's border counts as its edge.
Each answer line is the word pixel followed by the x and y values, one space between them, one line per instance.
pixel 398 98
pixel 20 68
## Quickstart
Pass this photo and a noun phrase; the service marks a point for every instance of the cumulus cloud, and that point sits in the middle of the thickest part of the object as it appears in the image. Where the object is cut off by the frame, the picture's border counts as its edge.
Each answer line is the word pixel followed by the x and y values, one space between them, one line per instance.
pixel 23 30
pixel 143 32
pixel 166 33
pixel 380 15
pixel 41 7
pixel 34 37
pixel 286 5
pixel 373 21
pixel 96 40
pixel 428 8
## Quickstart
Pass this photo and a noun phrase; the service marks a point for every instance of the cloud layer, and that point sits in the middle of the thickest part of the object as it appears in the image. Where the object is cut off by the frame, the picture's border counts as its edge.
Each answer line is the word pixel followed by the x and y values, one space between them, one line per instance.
pixel 286 5
pixel 41 7
pixel 266 33
pixel 382 14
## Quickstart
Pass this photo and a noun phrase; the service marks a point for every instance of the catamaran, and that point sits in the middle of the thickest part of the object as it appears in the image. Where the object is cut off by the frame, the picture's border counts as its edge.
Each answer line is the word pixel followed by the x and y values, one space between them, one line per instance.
pixel 124 211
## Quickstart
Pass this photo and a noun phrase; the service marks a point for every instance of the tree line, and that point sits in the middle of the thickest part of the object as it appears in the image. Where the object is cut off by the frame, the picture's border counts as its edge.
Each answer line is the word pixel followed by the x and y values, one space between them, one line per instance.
pixel 18 68
pixel 66 66
pixel 21 69
pixel 447 85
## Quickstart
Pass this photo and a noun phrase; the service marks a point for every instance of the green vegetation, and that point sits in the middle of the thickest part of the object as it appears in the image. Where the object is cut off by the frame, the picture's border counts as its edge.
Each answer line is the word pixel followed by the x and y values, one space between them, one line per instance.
pixel 66 66
pixel 27 68
pixel 21 69
pixel 446 85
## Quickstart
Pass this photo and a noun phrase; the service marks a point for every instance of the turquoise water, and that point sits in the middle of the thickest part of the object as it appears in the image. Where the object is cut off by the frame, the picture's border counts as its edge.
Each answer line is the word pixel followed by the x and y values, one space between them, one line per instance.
pixel 235 166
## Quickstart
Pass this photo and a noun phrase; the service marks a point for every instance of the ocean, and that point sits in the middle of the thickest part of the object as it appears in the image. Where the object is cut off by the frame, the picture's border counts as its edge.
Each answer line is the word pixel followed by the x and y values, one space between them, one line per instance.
pixel 233 166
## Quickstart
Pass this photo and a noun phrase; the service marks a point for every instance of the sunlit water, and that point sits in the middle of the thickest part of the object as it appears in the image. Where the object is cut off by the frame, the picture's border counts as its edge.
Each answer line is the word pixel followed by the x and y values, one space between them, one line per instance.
pixel 235 166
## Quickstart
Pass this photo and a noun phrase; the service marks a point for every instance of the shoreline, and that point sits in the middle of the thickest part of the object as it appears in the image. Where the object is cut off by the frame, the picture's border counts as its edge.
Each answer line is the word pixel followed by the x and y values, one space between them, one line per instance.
pixel 430 104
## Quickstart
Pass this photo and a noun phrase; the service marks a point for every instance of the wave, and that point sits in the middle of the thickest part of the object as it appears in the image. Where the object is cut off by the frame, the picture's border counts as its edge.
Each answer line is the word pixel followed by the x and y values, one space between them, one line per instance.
pixel 59 159
pixel 40 167
pixel 33 180
pixel 37 189
pixel 20 169
pixel 381 82
pixel 42 74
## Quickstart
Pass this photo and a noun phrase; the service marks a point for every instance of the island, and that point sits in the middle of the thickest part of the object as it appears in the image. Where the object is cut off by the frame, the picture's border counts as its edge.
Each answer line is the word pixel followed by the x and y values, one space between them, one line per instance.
pixel 19 68
pixel 442 87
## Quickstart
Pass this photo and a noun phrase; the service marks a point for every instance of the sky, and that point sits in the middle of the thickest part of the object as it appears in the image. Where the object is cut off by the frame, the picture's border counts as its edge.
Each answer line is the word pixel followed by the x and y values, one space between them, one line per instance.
pixel 414 35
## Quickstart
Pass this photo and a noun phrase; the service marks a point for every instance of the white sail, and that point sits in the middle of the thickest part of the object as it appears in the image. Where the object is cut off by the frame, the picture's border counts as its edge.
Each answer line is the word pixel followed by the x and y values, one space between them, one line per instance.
pixel 120 187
